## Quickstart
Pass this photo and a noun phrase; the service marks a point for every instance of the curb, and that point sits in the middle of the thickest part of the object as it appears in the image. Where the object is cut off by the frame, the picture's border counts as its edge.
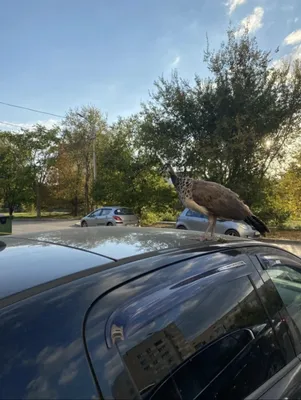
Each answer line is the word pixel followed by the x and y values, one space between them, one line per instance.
pixel 44 219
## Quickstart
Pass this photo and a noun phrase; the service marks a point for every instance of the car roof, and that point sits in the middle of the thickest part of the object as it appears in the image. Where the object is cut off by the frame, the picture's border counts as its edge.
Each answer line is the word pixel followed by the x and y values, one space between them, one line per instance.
pixel 122 242
pixel 35 259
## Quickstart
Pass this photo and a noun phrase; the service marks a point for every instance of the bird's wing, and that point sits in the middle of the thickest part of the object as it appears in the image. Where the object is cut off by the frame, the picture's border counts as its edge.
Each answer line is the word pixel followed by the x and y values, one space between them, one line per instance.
pixel 219 200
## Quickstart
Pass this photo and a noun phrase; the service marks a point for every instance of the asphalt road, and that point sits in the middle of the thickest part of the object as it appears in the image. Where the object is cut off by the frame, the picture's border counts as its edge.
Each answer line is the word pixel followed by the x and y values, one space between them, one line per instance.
pixel 40 226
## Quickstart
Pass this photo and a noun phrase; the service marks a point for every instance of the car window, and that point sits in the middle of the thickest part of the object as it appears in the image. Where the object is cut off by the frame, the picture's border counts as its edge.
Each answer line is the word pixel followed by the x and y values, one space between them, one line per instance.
pixel 195 214
pixel 123 211
pixel 192 377
pixel 105 212
pixel 94 214
pixel 285 273
pixel 209 343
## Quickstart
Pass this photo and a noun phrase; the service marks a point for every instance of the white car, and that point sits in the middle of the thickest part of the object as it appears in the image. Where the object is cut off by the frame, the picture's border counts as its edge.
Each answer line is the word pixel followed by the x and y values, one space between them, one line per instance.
pixel 110 216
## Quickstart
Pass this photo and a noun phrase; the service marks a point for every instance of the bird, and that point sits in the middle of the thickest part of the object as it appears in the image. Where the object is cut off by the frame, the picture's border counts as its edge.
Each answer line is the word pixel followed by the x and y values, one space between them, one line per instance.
pixel 213 200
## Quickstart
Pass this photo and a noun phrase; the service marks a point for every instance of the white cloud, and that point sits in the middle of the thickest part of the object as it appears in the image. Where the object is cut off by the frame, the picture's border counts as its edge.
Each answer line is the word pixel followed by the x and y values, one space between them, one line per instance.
pixel 252 22
pixel 296 20
pixel 233 4
pixel 294 55
pixel 176 61
pixel 11 125
pixel 293 38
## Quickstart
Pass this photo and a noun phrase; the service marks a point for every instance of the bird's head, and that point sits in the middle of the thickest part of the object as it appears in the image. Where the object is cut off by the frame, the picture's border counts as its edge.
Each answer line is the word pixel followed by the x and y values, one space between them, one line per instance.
pixel 166 170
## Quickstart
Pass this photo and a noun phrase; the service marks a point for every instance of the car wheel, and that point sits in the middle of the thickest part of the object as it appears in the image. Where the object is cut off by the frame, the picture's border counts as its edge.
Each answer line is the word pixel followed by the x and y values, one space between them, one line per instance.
pixel 232 232
pixel 181 227
pixel 84 224
pixel 109 224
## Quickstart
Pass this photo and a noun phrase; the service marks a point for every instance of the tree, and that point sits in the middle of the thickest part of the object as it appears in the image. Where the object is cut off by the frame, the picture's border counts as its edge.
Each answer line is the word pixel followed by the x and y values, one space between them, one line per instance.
pixel 218 128
pixel 41 146
pixel 83 128
pixel 67 180
pixel 126 177
pixel 289 188
pixel 15 174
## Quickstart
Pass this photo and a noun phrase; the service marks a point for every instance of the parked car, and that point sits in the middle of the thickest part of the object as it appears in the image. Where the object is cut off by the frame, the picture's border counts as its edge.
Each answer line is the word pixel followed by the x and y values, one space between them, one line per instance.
pixel 199 222
pixel 110 216
pixel 147 313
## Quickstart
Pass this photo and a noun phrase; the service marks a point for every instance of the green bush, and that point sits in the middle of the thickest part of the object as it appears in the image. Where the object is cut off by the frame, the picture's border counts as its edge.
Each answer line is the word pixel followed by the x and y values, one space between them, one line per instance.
pixel 274 216
pixel 169 216
pixel 149 218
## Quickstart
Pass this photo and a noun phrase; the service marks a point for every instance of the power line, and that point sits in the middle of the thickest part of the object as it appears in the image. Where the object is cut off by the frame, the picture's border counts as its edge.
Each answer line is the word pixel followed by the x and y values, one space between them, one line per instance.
pixel 31 109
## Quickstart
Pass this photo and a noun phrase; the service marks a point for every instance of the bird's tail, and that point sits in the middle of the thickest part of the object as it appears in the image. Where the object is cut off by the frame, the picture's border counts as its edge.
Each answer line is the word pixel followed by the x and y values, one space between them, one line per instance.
pixel 256 223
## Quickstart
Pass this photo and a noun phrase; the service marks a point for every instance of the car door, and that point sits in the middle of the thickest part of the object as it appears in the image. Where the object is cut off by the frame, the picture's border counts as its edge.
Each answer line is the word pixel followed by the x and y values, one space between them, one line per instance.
pixel 196 221
pixel 102 218
pixel 93 218
pixel 220 226
pixel 151 337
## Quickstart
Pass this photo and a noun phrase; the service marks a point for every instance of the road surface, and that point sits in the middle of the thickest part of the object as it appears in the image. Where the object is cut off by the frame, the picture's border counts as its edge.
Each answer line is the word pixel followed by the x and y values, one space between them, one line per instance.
pixel 28 226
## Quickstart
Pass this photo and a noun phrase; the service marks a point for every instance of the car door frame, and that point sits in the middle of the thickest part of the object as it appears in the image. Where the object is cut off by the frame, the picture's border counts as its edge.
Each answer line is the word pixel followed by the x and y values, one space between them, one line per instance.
pixel 288 376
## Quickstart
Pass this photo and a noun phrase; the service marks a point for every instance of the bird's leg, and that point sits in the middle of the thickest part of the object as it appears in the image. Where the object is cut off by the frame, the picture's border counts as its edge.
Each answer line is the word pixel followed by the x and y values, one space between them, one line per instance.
pixel 211 226
pixel 212 229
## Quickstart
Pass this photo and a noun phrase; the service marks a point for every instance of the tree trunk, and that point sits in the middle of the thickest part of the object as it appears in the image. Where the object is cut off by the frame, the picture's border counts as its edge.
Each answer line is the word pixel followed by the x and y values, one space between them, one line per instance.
pixel 11 210
pixel 75 206
pixel 38 200
pixel 86 196
pixel 87 176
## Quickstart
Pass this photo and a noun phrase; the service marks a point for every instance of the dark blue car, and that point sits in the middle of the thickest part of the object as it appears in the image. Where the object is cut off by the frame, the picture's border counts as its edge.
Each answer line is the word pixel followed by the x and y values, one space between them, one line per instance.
pixel 141 313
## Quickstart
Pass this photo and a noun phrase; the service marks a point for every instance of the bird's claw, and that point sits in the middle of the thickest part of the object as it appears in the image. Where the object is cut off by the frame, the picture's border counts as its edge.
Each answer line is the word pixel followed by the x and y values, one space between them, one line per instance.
pixel 207 237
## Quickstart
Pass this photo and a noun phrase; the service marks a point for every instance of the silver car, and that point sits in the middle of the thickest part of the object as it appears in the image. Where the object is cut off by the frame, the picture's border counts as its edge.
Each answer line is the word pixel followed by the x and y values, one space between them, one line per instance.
pixel 110 216
pixel 199 222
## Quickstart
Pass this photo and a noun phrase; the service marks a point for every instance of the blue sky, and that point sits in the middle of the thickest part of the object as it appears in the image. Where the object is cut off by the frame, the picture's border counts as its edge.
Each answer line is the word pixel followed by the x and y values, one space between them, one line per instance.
pixel 58 54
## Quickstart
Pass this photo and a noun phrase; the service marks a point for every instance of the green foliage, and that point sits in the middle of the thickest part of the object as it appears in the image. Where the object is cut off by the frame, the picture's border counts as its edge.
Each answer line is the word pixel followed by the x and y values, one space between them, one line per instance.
pixel 169 216
pixel 15 173
pixel 149 217
pixel 269 205
pixel 289 188
pixel 41 145
pixel 83 129
pixel 127 178
pixel 218 128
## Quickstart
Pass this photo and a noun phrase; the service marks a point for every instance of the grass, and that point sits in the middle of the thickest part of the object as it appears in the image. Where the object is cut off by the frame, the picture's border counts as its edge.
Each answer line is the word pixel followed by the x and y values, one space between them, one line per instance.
pixel 50 215
pixel 287 234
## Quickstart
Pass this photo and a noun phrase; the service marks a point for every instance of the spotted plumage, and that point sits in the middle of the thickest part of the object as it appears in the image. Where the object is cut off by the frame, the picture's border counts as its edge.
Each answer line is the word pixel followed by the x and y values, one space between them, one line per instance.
pixel 213 200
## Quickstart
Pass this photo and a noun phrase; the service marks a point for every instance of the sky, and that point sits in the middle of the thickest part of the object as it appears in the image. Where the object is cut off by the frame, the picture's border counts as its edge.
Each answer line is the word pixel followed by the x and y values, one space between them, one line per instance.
pixel 62 54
